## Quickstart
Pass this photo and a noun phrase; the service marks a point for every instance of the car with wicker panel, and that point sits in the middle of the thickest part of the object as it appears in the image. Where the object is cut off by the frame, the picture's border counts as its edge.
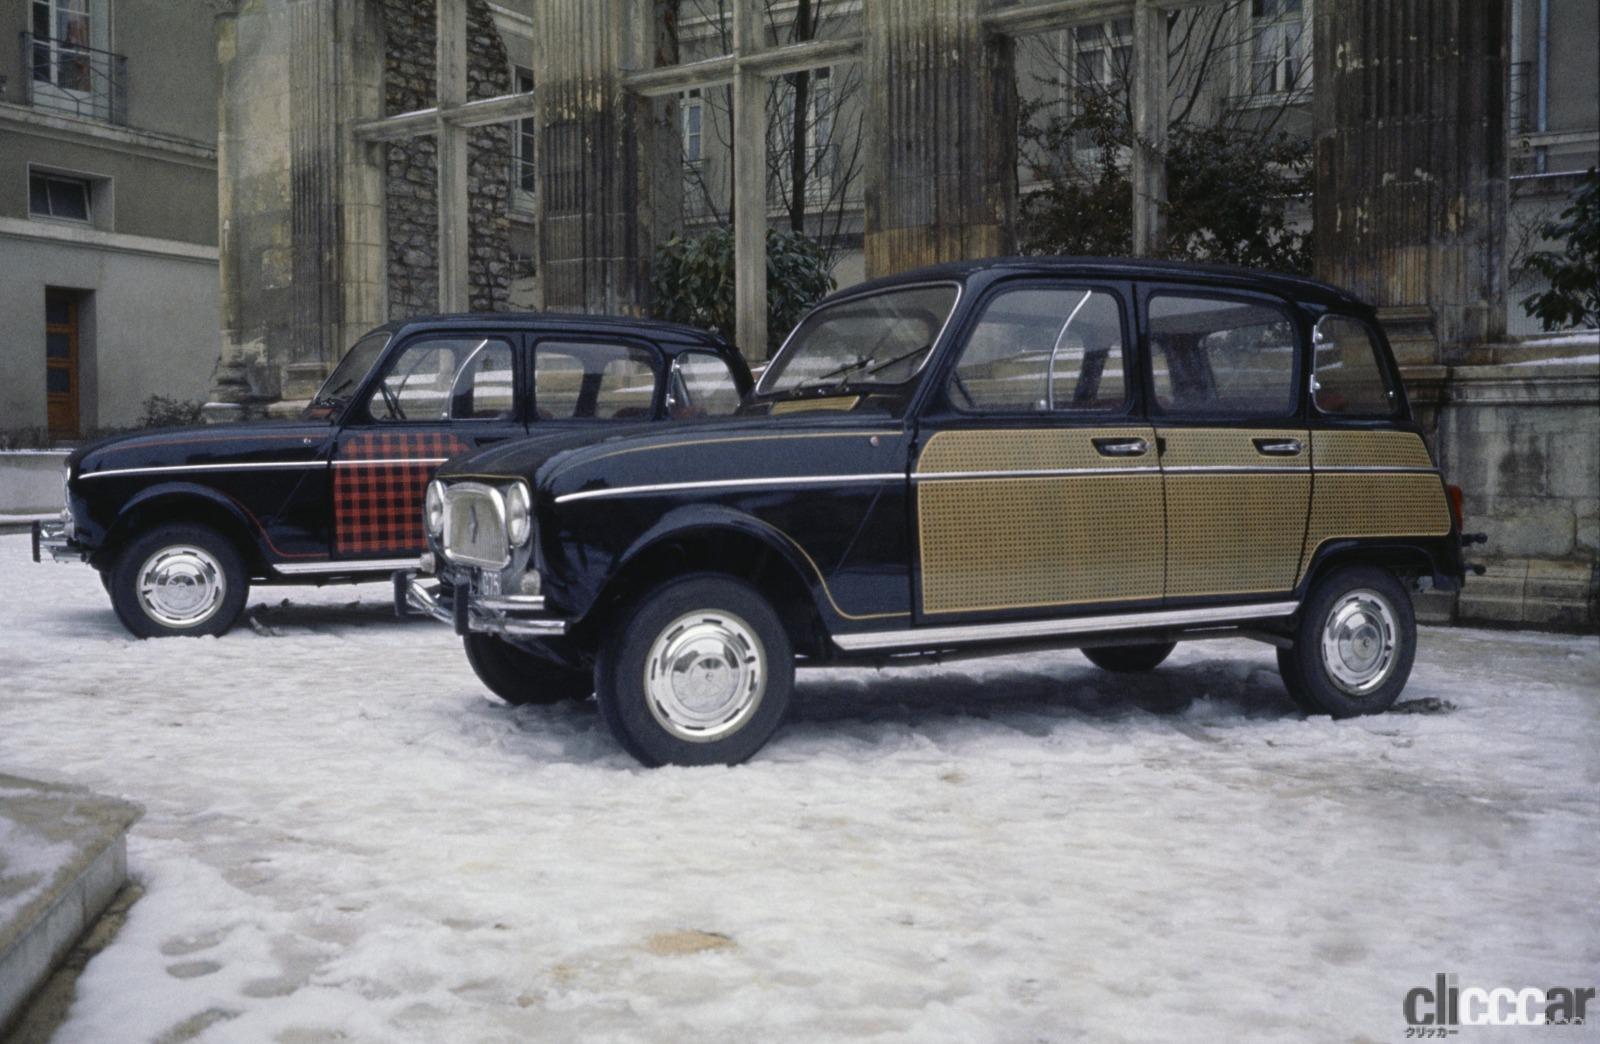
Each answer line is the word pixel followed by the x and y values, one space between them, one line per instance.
pixel 966 460
pixel 180 523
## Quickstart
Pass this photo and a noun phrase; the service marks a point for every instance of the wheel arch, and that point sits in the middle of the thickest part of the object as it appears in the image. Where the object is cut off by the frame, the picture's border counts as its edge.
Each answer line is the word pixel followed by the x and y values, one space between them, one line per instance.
pixel 721 541
pixel 186 503
pixel 1404 559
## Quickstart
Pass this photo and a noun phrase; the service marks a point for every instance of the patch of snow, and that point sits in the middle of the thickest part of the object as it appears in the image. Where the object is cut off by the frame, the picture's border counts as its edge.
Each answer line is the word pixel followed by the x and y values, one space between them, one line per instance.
pixel 347 836
pixel 28 863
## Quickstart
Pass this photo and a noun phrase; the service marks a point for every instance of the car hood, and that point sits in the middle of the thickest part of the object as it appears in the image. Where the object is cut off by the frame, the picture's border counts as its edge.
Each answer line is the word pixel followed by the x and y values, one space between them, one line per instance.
pixel 205 444
pixel 541 458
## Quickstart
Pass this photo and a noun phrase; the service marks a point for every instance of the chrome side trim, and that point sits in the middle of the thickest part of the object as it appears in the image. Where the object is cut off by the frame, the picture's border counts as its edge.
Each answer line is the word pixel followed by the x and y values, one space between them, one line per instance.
pixel 330 567
pixel 388 460
pixel 940 476
pixel 159 469
pixel 932 637
pixel 675 487
pixel 1355 468
pixel 1239 469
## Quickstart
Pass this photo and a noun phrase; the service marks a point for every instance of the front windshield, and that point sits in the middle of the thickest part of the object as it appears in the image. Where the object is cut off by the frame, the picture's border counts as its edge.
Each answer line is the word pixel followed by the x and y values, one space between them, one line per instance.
pixel 346 377
pixel 879 338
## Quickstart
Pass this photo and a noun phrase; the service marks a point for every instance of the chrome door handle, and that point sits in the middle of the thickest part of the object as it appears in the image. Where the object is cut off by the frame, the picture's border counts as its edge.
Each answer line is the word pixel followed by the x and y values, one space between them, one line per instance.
pixel 1122 447
pixel 1278 447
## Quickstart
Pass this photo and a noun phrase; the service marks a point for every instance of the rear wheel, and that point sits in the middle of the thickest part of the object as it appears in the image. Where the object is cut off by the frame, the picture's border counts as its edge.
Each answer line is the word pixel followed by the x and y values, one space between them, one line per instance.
pixel 1354 644
pixel 519 677
pixel 178 580
pixel 1130 659
pixel 699 672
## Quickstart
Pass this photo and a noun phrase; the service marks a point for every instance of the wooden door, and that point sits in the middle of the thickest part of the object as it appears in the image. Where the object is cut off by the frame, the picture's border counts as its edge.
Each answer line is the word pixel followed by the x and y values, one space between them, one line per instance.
pixel 61 363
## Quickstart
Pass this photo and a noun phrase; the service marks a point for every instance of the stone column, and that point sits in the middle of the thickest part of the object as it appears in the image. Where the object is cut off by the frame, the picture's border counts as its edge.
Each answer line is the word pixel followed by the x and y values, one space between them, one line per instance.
pixel 300 204
pixel 596 199
pixel 940 139
pixel 1411 178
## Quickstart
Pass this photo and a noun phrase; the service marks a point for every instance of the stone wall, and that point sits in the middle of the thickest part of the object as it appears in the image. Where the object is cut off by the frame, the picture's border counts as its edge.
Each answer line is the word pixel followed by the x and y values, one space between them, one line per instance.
pixel 1522 440
pixel 411 219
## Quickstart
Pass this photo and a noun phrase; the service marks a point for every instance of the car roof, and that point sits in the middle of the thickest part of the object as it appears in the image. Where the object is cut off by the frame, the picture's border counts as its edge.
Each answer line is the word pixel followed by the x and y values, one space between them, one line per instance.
pixel 667 335
pixel 1292 286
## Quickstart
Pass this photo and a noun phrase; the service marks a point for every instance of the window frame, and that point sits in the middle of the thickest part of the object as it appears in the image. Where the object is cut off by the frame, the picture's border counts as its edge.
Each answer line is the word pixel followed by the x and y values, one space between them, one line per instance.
pixel 674 375
pixel 47 176
pixel 1119 292
pixel 1384 363
pixel 1299 379
pixel 531 382
pixel 360 412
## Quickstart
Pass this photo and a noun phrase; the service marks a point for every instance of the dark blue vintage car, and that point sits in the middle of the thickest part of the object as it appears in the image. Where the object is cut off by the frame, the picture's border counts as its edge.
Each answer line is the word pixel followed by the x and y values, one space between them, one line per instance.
pixel 180 522
pixel 1105 454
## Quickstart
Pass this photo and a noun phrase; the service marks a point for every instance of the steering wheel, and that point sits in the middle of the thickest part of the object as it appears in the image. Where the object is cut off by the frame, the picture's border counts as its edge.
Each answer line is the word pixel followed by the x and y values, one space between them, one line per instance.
pixel 392 401
pixel 961 386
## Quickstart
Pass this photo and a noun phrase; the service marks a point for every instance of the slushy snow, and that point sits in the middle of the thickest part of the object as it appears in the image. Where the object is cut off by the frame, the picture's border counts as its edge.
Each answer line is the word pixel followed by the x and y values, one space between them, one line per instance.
pixel 348 838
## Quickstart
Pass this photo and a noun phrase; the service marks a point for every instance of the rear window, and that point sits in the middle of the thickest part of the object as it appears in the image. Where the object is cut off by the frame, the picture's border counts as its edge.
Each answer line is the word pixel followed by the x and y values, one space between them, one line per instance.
pixel 1349 379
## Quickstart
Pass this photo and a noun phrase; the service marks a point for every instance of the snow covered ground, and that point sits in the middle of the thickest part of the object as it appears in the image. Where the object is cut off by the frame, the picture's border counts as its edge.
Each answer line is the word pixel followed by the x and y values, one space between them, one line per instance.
pixel 348 839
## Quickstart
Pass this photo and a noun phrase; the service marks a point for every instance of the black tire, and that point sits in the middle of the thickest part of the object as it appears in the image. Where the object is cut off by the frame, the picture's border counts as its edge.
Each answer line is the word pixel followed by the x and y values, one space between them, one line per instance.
pixel 519 677
pixel 733 617
pixel 195 552
pixel 1378 616
pixel 1130 659
pixel 105 579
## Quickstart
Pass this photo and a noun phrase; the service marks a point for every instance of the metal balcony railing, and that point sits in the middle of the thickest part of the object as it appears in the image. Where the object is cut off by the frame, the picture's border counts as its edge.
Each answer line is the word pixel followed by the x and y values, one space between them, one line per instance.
pixel 71 78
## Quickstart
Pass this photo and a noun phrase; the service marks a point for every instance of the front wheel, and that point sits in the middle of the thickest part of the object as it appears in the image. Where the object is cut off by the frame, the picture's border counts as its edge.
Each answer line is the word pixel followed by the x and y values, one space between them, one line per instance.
pixel 178 580
pixel 1354 644
pixel 699 672
pixel 519 677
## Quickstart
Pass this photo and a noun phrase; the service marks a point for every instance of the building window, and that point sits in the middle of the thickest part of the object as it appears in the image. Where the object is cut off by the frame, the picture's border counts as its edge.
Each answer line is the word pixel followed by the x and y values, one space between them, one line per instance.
pixel 55 196
pixel 1098 63
pixel 525 175
pixel 61 38
pixel 821 153
pixel 692 108
pixel 1278 46
pixel 69 68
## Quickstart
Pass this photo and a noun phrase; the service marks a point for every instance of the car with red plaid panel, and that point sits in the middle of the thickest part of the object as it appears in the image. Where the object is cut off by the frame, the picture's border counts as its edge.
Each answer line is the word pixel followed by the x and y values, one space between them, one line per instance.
pixel 180 522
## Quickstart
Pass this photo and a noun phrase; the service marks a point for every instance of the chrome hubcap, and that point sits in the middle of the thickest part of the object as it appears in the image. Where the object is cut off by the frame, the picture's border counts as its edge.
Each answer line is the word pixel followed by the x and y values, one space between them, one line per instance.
pixel 181 586
pixel 705 676
pixel 1358 641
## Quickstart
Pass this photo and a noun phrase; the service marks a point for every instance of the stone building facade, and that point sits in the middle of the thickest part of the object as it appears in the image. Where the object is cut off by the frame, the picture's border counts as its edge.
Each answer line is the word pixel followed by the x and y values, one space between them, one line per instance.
pixel 365 154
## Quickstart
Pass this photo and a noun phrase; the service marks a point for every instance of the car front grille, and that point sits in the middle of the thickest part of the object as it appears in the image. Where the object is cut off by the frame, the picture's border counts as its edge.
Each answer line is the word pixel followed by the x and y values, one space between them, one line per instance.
pixel 474 526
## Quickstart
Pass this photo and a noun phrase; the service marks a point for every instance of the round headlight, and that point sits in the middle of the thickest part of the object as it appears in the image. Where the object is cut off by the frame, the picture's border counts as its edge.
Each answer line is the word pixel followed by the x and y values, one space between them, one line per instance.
pixel 519 514
pixel 433 509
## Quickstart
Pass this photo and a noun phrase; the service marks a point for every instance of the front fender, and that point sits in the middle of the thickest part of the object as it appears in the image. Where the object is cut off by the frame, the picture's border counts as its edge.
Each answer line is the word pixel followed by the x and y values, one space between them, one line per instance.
pixel 705 525
pixel 187 502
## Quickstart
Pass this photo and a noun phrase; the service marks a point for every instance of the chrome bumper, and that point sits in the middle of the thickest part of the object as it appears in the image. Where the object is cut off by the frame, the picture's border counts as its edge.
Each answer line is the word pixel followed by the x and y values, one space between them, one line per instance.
pixel 518 615
pixel 51 538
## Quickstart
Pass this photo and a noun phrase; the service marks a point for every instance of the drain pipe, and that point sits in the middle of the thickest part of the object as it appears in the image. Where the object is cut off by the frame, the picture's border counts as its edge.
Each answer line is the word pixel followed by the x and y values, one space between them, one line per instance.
pixel 1542 153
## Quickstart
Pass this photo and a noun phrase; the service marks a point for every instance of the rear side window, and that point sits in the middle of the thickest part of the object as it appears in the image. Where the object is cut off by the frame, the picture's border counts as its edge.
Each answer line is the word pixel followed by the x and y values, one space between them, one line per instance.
pixel 591 380
pixel 1349 379
pixel 1043 349
pixel 1216 356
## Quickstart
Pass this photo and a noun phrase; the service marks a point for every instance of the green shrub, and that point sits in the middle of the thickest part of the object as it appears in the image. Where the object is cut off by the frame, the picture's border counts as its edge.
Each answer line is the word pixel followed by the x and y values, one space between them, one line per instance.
pixel 1574 274
pixel 162 412
pixel 693 281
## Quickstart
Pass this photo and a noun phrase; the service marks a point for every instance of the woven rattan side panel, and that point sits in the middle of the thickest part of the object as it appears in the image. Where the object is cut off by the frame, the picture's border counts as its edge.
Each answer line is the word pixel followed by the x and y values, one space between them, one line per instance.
pixel 1374 505
pixel 992 544
pixel 1026 450
pixel 1234 534
pixel 1229 447
pixel 1369 449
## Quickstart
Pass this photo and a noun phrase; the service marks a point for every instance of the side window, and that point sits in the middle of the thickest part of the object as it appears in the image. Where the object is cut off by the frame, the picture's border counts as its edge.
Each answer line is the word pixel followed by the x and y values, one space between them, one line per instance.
pixel 485 388
pixel 592 380
pixel 1053 349
pixel 1210 355
pixel 1348 378
pixel 439 378
pixel 702 386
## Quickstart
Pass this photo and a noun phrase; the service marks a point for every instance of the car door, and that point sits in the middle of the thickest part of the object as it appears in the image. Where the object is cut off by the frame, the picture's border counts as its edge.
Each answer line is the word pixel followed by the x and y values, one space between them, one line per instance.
pixel 1037 489
pixel 1223 372
pixel 442 394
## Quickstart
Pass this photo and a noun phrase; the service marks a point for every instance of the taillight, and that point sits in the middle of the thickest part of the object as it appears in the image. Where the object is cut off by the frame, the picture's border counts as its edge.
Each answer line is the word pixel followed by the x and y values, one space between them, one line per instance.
pixel 1454 493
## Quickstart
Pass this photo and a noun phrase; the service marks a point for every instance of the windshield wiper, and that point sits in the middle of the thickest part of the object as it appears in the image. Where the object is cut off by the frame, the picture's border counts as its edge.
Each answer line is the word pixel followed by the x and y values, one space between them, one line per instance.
pixel 822 379
pixel 898 359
